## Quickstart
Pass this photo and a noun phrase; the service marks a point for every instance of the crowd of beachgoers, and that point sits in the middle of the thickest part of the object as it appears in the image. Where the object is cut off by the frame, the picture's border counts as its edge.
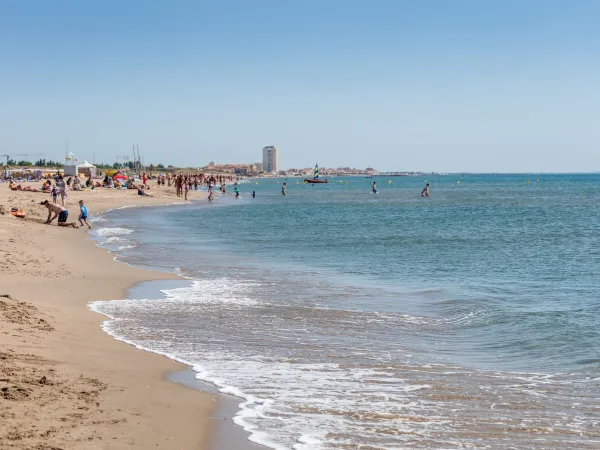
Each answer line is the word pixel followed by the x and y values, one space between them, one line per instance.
pixel 59 187
pixel 184 183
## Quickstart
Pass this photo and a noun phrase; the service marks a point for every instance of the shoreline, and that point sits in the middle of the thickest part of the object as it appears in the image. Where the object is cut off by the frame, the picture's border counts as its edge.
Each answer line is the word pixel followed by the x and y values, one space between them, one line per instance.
pixel 123 399
pixel 224 433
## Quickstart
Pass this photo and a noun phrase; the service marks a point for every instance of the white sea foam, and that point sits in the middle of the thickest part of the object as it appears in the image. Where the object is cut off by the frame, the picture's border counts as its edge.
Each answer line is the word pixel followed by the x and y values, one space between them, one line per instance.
pixel 308 441
pixel 274 393
pixel 289 399
pixel 113 231
pixel 119 243
pixel 221 290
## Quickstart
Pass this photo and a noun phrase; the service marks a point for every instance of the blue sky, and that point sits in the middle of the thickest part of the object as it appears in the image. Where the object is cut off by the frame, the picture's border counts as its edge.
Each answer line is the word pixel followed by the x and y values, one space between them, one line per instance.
pixel 510 86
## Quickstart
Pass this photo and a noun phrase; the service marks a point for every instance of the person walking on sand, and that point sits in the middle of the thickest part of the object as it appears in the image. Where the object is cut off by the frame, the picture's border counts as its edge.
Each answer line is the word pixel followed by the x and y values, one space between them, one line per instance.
pixel 59 212
pixel 83 214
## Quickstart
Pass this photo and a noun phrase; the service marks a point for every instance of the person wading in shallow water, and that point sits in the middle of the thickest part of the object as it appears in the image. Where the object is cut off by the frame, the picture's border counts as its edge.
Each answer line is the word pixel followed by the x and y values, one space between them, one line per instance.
pixel 284 189
pixel 59 212
pixel 425 191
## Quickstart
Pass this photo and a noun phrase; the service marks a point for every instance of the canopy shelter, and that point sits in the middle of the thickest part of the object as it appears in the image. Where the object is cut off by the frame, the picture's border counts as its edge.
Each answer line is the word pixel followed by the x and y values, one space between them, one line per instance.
pixel 85 169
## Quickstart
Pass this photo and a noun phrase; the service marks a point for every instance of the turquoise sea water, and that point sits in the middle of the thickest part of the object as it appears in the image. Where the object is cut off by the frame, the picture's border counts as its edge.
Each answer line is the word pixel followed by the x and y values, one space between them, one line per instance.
pixel 348 319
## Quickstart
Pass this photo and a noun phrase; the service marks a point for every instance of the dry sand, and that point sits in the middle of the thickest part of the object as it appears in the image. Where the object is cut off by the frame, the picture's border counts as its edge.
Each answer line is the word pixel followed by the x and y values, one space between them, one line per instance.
pixel 64 383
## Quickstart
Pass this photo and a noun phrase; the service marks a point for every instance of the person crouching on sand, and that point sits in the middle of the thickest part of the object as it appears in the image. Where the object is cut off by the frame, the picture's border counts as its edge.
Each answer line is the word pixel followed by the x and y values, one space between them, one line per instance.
pixel 59 212
pixel 83 214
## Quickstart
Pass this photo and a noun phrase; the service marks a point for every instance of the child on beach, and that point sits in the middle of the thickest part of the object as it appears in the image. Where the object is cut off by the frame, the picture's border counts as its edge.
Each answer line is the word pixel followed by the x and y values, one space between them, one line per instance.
pixel 83 214
pixel 54 194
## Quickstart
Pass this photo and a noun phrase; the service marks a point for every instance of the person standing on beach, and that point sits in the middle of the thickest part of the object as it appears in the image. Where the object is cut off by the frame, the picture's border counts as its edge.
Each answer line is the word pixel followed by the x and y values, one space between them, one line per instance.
pixel 178 185
pixel 54 194
pixel 62 190
pixel 59 212
pixel 284 189
pixel 83 214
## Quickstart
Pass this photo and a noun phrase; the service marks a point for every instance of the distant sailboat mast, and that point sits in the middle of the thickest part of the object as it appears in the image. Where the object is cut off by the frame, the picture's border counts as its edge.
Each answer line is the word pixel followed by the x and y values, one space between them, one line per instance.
pixel 315 178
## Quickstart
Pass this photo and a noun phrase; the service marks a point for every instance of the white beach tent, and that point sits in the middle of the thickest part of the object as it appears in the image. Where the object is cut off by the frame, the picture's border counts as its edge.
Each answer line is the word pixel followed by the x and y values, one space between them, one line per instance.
pixel 86 169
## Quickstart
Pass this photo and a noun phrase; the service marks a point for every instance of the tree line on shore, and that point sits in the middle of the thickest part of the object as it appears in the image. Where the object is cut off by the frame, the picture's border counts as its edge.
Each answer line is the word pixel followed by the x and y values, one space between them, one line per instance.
pixel 57 165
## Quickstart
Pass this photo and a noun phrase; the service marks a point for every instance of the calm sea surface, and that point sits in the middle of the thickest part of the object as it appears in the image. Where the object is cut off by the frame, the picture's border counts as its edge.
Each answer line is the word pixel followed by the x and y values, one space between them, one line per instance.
pixel 350 320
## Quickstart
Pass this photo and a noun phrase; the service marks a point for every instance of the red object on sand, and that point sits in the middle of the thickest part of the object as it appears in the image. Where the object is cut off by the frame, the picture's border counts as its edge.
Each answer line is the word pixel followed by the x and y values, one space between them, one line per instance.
pixel 120 177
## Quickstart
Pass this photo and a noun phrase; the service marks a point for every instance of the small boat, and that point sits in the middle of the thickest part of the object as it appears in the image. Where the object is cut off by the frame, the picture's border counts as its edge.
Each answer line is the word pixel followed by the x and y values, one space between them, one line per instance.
pixel 315 179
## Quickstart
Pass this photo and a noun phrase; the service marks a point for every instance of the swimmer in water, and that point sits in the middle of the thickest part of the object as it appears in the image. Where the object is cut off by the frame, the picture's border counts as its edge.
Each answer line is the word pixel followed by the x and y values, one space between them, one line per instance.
pixel 374 188
pixel 425 191
pixel 237 192
pixel 253 194
pixel 284 189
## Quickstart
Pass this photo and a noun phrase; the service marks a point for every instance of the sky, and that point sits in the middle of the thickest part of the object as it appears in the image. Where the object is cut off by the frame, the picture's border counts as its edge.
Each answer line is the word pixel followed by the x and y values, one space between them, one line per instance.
pixel 423 85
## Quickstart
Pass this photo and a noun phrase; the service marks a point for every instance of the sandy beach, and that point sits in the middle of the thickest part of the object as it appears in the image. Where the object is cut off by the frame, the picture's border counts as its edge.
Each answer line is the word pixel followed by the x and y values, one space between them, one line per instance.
pixel 64 383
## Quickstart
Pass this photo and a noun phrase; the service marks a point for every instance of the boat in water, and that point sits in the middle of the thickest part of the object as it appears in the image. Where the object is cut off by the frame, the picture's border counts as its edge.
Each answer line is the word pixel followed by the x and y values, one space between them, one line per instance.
pixel 315 179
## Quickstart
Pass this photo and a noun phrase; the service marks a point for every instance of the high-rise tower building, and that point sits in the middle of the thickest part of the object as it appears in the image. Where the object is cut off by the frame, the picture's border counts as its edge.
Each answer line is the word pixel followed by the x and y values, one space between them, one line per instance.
pixel 271 159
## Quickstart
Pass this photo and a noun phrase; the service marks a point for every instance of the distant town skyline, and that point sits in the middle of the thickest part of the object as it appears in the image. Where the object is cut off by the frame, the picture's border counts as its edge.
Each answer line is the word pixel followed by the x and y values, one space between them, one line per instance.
pixel 426 85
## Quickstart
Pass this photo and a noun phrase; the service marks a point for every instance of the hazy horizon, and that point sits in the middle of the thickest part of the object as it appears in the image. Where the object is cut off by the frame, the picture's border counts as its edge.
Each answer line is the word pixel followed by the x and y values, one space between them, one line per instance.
pixel 466 86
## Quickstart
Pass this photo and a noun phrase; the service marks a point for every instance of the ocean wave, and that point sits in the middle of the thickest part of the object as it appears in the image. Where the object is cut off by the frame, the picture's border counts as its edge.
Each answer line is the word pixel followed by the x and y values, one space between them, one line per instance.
pixel 220 290
pixel 291 399
pixel 113 231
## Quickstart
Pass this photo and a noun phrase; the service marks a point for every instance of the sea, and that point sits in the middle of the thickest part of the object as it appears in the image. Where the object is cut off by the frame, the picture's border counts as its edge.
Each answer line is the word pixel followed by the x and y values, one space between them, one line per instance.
pixel 344 319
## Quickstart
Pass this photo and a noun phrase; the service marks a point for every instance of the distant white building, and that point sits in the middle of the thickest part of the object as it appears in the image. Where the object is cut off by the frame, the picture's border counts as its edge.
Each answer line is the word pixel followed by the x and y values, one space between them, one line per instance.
pixel 271 159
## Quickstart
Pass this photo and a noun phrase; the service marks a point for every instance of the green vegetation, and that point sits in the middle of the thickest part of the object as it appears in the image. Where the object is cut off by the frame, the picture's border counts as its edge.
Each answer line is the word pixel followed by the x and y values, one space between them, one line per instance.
pixel 44 163
pixel 56 164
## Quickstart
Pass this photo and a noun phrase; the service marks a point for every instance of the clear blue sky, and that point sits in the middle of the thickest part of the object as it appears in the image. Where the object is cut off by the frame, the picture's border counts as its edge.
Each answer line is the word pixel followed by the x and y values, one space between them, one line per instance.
pixel 441 85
